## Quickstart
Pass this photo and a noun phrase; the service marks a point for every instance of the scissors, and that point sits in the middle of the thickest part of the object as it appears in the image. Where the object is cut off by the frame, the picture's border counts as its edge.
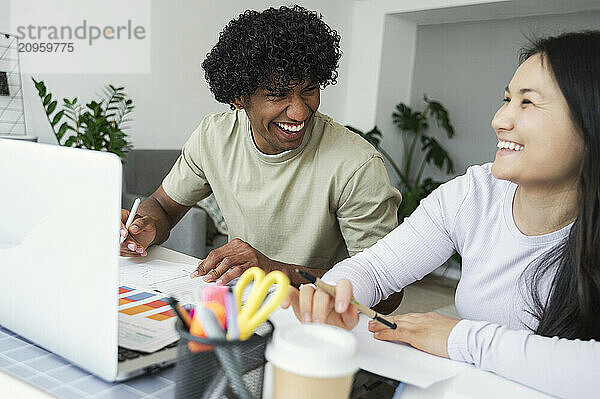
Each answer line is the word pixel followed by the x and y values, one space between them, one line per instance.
pixel 254 312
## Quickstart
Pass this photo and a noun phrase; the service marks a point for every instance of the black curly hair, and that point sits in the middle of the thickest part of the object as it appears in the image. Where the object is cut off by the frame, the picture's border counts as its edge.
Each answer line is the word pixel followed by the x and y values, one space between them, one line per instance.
pixel 270 50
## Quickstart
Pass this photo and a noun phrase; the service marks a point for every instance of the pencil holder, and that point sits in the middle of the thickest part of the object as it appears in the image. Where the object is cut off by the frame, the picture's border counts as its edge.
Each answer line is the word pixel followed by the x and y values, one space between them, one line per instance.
pixel 210 368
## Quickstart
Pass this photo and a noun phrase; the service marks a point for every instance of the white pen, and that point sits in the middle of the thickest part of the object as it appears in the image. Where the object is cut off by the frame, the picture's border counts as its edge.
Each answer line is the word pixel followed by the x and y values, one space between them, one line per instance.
pixel 134 209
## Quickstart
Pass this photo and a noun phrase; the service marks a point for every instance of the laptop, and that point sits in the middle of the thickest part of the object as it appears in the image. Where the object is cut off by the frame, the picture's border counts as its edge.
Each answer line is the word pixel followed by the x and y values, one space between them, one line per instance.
pixel 59 256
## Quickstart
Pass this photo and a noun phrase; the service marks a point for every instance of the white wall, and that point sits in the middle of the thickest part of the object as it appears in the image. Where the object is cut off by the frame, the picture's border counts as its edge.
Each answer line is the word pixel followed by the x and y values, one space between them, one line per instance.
pixel 173 98
pixel 4 16
pixel 467 65
pixel 369 31
pixel 396 71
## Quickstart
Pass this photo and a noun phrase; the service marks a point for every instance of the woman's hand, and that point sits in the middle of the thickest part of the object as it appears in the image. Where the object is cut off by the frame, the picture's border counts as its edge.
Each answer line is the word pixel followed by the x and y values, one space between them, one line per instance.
pixel 316 305
pixel 428 332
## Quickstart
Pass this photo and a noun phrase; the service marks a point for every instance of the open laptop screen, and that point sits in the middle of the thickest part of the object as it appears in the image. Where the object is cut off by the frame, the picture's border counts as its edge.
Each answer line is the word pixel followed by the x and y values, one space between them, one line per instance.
pixel 59 231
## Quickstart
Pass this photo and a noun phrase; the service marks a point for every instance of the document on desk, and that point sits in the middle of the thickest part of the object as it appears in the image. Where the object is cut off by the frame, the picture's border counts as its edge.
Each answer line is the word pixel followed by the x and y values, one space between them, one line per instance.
pixel 389 359
pixel 172 279
pixel 146 321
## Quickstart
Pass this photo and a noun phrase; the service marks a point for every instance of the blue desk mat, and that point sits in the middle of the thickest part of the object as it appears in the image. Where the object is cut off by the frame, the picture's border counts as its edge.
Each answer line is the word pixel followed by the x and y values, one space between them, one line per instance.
pixel 59 377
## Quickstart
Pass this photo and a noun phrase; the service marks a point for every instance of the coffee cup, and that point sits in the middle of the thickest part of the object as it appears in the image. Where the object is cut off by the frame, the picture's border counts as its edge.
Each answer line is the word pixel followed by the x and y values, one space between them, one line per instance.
pixel 312 361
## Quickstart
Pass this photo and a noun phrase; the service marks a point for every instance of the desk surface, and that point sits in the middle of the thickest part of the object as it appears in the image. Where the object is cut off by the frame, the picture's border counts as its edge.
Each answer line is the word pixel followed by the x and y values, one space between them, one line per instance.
pixel 55 375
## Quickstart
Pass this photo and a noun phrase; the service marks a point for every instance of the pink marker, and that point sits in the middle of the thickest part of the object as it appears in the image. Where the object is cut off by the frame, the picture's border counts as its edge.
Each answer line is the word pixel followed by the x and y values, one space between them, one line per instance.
pixel 215 293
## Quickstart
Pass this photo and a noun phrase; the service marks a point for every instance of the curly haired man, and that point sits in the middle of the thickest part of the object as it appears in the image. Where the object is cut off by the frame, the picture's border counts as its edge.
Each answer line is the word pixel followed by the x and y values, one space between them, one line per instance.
pixel 296 189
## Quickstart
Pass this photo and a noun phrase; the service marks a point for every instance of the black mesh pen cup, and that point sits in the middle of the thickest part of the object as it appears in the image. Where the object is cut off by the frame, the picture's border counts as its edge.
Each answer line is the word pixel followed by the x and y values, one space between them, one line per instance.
pixel 210 368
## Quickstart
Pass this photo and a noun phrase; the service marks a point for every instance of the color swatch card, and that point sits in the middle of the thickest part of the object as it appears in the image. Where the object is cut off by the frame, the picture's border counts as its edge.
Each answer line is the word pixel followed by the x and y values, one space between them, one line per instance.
pixel 146 321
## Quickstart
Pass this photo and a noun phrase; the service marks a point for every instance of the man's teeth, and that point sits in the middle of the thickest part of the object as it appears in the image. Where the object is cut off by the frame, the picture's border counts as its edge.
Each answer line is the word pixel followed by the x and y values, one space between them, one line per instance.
pixel 510 145
pixel 290 128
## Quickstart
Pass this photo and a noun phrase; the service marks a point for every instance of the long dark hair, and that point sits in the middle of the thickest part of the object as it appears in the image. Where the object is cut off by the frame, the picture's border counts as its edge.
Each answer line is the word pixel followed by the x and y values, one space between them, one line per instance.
pixel 571 308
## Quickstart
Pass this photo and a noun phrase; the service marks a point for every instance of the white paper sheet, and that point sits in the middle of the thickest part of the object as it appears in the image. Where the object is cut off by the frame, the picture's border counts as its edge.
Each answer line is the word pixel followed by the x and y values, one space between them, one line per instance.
pixel 170 278
pixel 164 279
pixel 389 359
pixel 400 361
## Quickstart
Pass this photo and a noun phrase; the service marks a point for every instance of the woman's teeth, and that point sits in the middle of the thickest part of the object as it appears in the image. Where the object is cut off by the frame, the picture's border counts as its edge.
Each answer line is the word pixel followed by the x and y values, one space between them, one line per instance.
pixel 290 128
pixel 509 145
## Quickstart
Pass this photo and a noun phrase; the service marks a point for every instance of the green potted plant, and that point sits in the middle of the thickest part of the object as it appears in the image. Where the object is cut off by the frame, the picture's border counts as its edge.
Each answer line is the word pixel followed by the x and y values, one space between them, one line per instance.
pixel 412 125
pixel 97 126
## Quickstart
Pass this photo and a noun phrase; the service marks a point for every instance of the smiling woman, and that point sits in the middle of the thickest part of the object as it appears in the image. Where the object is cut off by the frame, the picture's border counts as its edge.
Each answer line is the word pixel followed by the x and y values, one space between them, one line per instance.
pixel 534 127
pixel 570 308
pixel 527 228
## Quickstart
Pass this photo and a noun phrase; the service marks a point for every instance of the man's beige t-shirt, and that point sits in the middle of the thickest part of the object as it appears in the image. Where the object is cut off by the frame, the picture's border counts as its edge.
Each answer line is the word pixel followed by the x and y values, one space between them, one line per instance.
pixel 312 206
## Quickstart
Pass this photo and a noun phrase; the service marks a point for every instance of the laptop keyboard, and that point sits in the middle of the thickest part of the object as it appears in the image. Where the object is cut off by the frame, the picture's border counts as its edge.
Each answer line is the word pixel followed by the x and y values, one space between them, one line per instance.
pixel 128 354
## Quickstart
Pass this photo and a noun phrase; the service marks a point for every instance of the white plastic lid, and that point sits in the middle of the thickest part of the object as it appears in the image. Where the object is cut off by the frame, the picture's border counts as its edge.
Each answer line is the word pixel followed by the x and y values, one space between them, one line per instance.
pixel 313 350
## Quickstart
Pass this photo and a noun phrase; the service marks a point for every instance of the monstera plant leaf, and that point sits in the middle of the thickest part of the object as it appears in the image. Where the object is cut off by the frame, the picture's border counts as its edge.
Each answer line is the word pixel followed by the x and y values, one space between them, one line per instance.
pixel 407 120
pixel 440 114
pixel 436 154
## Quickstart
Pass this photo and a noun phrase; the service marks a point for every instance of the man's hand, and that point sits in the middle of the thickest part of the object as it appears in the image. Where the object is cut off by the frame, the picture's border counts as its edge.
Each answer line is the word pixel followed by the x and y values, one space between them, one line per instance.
pixel 139 236
pixel 228 262
pixel 428 332
pixel 316 305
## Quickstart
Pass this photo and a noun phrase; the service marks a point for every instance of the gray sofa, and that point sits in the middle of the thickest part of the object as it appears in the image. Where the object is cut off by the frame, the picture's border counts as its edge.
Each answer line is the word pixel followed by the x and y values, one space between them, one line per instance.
pixel 143 172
